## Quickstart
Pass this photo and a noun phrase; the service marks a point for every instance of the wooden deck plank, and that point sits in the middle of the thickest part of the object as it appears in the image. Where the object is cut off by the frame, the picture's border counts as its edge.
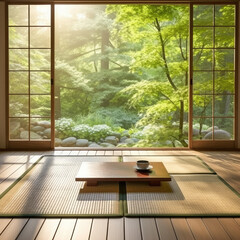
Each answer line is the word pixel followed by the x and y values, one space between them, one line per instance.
pixel 31 229
pixel 48 229
pixel 126 153
pixel 117 153
pixel 73 153
pixel 13 229
pixel 84 153
pixel 149 229
pixel 91 153
pixel 132 229
pixel 134 152
pixel 198 229
pixel 165 229
pixel 115 229
pixel 101 153
pixel 3 223
pixel 65 229
pixel 82 229
pixel 99 229
pixel 109 152
pixel 231 227
pixel 182 229
pixel 215 229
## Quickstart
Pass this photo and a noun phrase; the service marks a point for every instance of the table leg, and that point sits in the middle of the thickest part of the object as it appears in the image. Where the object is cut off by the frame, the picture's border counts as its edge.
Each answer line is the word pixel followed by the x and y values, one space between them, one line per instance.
pixel 155 183
pixel 92 183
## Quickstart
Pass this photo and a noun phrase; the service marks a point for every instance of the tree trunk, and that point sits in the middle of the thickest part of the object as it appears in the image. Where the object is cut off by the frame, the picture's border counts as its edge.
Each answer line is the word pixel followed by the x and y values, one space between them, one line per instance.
pixel 105 44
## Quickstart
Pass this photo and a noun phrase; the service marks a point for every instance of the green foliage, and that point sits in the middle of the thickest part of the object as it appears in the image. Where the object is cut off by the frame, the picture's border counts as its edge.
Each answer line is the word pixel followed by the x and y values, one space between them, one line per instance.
pixel 64 127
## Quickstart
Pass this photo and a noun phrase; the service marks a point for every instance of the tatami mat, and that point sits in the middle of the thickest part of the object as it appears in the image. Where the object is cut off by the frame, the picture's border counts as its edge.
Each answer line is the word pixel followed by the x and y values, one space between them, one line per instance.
pixel 185 195
pixel 175 164
pixel 50 189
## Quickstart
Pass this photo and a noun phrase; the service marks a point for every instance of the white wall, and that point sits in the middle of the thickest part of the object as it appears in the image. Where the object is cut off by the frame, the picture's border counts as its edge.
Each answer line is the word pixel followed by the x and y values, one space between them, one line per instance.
pixel 2 77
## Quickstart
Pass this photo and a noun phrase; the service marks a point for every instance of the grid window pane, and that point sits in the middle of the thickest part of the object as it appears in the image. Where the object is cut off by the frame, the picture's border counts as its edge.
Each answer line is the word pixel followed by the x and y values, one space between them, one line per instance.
pixel 40 15
pixel 18 106
pixel 202 59
pixel 224 37
pixel 203 83
pixel 18 59
pixel 224 82
pixel 224 59
pixel 18 37
pixel 18 128
pixel 203 37
pixel 41 127
pixel 225 15
pixel 40 83
pixel 18 82
pixel 202 105
pixel 40 59
pixel 40 106
pixel 225 129
pixel 202 127
pixel 203 15
pixel 18 15
pixel 224 106
pixel 40 37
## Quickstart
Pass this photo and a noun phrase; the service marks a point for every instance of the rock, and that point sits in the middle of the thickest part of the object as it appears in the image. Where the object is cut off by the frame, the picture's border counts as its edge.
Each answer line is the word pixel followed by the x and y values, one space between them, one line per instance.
pixel 125 133
pixel 58 142
pixel 40 133
pixel 38 129
pixel 204 132
pixel 122 139
pixel 107 145
pixel 69 142
pixel 195 132
pixel 45 124
pixel 112 139
pixel 47 132
pixel 218 134
pixel 211 128
pixel 82 143
pixel 177 143
pixel 94 145
pixel 24 135
pixel 129 141
pixel 135 140
pixel 116 134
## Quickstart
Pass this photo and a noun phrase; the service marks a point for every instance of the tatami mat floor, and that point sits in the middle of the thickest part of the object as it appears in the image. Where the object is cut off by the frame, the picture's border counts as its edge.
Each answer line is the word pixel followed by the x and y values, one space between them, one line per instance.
pixel 13 164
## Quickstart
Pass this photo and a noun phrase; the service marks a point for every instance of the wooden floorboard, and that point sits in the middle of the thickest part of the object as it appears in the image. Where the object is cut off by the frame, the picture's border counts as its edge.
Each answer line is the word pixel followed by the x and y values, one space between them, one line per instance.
pixel 115 229
pixel 82 229
pixel 31 229
pixel 226 164
pixel 99 229
pixel 165 229
pixel 132 229
pixel 149 229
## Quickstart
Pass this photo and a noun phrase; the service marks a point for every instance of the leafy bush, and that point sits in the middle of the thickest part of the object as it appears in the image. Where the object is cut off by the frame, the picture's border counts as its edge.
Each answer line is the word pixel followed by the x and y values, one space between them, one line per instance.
pixel 94 133
pixel 64 127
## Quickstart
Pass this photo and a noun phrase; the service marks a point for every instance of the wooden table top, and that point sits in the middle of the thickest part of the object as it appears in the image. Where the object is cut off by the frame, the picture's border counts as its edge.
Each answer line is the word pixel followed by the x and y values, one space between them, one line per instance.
pixel 121 171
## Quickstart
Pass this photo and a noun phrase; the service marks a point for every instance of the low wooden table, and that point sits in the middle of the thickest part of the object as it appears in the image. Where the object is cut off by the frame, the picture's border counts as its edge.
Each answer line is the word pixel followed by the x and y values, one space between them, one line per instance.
pixel 92 172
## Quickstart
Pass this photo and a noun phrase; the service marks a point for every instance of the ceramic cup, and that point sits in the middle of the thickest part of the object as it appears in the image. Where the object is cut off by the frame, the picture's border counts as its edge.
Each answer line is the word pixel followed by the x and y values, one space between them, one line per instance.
pixel 143 164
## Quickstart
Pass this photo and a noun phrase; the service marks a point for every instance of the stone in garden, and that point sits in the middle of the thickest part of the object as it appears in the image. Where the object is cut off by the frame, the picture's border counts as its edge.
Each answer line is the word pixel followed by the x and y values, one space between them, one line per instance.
pixel 38 129
pixel 82 143
pixel 178 143
pixel 116 134
pixel 58 142
pixel 94 145
pixel 69 142
pixel 135 140
pixel 195 132
pixel 33 135
pixel 125 133
pixel 129 141
pixel 211 128
pixel 40 133
pixel 45 124
pixel 122 139
pixel 112 139
pixel 47 132
pixel 204 132
pixel 218 134
pixel 107 145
